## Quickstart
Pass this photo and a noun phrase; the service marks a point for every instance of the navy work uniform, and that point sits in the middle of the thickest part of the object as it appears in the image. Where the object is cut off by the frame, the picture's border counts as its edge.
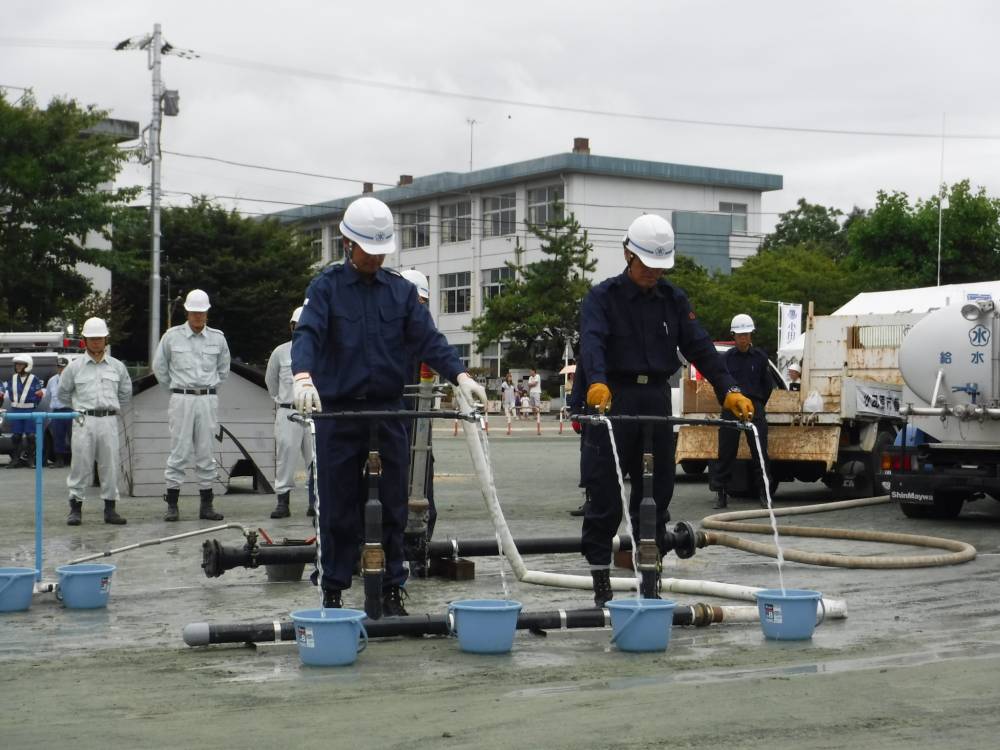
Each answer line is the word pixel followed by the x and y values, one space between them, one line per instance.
pixel 61 429
pixel 751 371
pixel 355 339
pixel 629 340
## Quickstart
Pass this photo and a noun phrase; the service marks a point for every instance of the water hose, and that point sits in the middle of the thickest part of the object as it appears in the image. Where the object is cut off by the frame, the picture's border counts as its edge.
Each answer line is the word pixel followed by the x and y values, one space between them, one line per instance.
pixel 958 552
pixel 836 608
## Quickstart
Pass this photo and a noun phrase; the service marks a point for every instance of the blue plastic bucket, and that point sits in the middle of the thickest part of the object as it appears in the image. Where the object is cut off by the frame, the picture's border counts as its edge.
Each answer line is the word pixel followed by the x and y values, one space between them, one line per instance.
pixel 641 624
pixel 16 587
pixel 329 637
pixel 789 615
pixel 484 626
pixel 84 586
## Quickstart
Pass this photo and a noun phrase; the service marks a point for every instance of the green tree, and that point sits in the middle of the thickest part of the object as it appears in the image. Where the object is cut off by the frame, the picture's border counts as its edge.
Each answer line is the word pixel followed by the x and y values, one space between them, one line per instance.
pixel 255 272
pixel 538 312
pixel 810 224
pixel 54 170
pixel 904 237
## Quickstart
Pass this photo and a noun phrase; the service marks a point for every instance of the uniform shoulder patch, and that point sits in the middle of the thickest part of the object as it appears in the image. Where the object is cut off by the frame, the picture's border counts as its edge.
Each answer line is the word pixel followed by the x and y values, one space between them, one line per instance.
pixel 392 271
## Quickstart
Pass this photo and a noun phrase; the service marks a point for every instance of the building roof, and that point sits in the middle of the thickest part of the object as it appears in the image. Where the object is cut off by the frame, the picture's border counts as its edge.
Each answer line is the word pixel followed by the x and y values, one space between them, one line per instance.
pixel 460 183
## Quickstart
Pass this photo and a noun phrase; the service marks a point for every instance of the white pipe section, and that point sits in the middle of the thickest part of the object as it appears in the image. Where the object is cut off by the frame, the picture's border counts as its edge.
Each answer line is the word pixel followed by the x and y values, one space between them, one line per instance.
pixel 835 608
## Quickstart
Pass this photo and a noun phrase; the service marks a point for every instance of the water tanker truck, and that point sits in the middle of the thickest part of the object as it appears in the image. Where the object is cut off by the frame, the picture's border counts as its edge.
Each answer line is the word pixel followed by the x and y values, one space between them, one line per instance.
pixel 949 453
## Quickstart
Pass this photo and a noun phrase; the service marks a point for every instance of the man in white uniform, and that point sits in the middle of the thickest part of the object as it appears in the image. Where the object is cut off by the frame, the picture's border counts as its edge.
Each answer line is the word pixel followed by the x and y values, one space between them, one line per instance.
pixel 191 360
pixel 291 439
pixel 98 386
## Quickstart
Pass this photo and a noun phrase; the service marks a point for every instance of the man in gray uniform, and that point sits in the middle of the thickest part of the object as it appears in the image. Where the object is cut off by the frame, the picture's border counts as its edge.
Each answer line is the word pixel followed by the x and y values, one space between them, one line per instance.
pixel 191 360
pixel 98 386
pixel 291 439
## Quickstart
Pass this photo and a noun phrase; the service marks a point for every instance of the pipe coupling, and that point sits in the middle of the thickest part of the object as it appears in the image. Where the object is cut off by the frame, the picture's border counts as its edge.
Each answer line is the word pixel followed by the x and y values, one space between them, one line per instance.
pixel 372 559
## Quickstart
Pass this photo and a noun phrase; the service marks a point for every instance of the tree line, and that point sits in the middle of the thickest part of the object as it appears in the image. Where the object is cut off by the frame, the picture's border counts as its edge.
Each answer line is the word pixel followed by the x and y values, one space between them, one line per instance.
pixel 54 199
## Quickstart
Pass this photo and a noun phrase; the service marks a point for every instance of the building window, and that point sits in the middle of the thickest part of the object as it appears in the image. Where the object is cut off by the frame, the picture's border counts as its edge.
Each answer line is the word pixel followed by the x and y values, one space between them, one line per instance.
pixel 456 292
pixel 545 205
pixel 415 228
pixel 492 360
pixel 336 244
pixel 456 222
pixel 739 215
pixel 314 239
pixel 495 279
pixel 499 215
pixel 464 352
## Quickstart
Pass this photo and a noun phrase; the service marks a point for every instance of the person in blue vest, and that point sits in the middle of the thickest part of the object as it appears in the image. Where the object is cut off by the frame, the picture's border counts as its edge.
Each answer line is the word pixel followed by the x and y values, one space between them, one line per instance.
pixel 61 429
pixel 360 325
pixel 631 327
pixel 25 392
pixel 751 369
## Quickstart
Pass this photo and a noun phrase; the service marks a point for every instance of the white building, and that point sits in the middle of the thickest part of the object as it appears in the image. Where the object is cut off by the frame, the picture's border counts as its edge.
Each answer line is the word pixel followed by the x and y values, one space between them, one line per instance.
pixel 460 228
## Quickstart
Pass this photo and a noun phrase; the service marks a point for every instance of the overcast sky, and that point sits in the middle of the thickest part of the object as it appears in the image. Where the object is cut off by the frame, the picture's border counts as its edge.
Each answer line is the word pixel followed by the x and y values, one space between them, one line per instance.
pixel 270 88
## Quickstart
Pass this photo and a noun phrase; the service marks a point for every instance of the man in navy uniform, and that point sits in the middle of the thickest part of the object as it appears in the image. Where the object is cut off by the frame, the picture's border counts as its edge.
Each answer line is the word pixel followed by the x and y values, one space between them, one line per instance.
pixel 751 370
pixel 360 325
pixel 631 327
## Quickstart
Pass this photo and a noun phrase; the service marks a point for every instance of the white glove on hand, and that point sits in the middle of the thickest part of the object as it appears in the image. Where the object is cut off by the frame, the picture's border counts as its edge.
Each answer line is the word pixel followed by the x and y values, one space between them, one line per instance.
pixel 470 389
pixel 304 395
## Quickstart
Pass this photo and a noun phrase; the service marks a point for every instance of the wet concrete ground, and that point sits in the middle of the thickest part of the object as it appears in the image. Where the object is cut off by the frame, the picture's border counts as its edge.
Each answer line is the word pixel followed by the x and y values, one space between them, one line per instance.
pixel 914 665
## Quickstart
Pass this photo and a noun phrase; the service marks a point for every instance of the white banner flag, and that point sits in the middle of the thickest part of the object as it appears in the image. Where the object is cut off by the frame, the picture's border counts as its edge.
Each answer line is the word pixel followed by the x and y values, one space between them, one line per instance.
pixel 790 322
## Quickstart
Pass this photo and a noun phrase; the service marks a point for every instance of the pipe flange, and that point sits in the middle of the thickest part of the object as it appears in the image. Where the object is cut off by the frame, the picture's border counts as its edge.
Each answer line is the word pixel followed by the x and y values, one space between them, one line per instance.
pixel 685 540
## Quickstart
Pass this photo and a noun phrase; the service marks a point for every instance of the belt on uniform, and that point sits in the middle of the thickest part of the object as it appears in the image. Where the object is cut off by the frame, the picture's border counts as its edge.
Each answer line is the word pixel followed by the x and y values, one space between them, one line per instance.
pixel 194 391
pixel 637 378
pixel 284 406
pixel 100 412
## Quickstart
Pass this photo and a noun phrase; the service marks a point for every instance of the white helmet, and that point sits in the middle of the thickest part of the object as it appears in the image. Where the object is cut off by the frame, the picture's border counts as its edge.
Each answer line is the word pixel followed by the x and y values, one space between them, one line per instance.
pixel 24 359
pixel 651 238
pixel 296 314
pixel 197 301
pixel 94 328
pixel 795 367
pixel 418 280
pixel 368 221
pixel 742 323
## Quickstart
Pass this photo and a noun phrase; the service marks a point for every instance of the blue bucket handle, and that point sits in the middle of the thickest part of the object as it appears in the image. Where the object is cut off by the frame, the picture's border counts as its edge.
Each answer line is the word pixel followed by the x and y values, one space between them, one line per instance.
pixel 450 621
pixel 58 592
pixel 363 644
pixel 631 618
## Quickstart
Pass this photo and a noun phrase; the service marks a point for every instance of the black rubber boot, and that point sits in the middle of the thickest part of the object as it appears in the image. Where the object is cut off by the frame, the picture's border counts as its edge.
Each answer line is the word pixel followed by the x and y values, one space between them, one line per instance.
pixel 602 586
pixel 30 452
pixel 171 498
pixel 721 501
pixel 311 510
pixel 75 517
pixel 281 509
pixel 331 599
pixel 392 602
pixel 205 511
pixel 111 515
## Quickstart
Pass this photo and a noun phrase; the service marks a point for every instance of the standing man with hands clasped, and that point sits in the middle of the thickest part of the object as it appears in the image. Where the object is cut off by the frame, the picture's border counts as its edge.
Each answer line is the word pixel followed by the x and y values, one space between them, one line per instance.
pixel 631 327
pixel 191 360
pixel 360 325
pixel 98 386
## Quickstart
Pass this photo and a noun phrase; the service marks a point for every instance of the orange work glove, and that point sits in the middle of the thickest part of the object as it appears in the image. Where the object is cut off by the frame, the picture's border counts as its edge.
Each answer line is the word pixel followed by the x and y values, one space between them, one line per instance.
pixel 739 405
pixel 599 396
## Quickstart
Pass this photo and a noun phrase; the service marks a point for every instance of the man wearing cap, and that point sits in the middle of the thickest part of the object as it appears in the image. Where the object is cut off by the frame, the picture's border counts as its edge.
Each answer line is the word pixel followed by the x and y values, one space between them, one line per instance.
pixel 631 327
pixel 291 439
pixel 191 360
pixel 25 392
pixel 750 368
pixel 98 386
pixel 60 428
pixel 360 326
pixel 795 377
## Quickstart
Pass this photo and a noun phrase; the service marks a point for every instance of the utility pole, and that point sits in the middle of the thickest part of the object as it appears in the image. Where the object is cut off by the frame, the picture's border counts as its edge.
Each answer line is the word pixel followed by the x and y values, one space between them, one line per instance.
pixel 165 102
pixel 472 129
pixel 942 197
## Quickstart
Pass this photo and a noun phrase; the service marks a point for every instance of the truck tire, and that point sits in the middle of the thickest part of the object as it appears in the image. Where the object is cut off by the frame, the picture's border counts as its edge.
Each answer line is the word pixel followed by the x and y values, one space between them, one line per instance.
pixel 943 509
pixel 694 467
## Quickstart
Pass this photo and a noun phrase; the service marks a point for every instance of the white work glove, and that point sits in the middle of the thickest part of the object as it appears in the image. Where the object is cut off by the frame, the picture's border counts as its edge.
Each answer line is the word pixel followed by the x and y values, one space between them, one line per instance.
pixel 304 395
pixel 470 389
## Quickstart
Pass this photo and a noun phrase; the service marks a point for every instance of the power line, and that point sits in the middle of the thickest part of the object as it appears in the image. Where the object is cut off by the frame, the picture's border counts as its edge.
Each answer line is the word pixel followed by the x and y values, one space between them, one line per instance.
pixel 273 169
pixel 442 93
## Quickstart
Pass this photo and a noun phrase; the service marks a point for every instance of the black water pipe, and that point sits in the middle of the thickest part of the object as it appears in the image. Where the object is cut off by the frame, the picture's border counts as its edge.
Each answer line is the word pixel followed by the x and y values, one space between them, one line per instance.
pixel 218 558
pixel 205 634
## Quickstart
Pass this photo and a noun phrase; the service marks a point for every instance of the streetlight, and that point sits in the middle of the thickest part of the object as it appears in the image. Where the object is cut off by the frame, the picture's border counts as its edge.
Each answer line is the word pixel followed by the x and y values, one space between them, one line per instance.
pixel 165 102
